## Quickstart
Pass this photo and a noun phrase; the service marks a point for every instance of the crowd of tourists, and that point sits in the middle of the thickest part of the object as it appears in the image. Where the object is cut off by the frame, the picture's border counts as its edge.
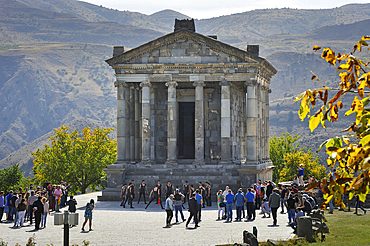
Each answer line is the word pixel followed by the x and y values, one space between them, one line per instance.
pixel 34 204
pixel 263 196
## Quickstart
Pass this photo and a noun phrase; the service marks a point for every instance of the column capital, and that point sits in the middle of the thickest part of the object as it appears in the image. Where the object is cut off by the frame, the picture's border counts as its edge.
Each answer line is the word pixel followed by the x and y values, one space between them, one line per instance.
pixel 120 84
pixel 171 84
pixel 225 83
pixel 145 84
pixel 251 83
pixel 198 83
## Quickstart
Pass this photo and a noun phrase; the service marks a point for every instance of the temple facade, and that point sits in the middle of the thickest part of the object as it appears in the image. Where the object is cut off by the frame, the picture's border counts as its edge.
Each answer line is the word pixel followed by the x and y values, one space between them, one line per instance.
pixel 190 107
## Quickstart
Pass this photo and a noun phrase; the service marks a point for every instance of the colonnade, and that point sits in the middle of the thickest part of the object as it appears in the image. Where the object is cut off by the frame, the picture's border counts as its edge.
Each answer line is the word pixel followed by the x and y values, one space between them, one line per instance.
pixel 134 140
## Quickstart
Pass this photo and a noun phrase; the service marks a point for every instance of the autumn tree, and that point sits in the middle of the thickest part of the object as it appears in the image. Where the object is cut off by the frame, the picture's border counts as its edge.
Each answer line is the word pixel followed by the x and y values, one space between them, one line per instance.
pixel 311 165
pixel 10 177
pixel 348 155
pixel 279 146
pixel 75 158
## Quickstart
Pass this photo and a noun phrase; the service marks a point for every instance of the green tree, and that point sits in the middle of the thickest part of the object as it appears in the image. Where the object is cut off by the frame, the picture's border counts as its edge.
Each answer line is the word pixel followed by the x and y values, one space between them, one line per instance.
pixel 348 155
pixel 279 146
pixel 77 159
pixel 10 177
pixel 311 165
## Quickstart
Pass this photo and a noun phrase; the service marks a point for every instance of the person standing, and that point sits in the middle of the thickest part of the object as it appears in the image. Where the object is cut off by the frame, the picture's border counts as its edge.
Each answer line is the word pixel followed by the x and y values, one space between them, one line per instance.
pixel 186 191
pixel 31 200
pixel 283 198
pixel 123 195
pixel 153 196
pixel 72 203
pixel 21 207
pixel 300 175
pixel 2 205
pixel 45 213
pixel 169 189
pixel 229 205
pixel 19 200
pixel 57 194
pixel 169 209
pixel 250 197
pixel 159 187
pixel 88 214
pixel 239 203
pixel 177 202
pixel 220 204
pixel 199 201
pixel 359 204
pixel 143 190
pixel 274 203
pixel 269 189
pixel 202 192
pixel 38 210
pixel 291 207
pixel 209 193
pixel 193 209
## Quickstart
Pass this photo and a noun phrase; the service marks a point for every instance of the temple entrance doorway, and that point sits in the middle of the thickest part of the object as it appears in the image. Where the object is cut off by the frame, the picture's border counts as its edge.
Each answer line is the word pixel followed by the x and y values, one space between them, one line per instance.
pixel 186 144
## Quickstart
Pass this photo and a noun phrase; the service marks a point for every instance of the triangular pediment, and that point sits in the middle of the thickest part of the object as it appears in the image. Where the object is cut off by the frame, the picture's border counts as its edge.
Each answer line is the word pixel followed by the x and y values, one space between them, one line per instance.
pixel 185 47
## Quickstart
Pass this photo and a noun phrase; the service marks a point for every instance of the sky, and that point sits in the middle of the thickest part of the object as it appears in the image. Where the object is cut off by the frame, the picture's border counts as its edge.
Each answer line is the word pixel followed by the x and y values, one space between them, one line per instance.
pixel 204 9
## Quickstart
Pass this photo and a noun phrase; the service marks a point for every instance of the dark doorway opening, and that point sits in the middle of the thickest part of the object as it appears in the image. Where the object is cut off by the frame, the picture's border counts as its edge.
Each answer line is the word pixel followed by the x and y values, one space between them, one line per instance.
pixel 186 144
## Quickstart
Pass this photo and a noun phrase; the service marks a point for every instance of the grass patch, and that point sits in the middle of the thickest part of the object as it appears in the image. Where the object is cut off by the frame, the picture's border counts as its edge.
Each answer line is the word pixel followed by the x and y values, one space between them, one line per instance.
pixel 345 228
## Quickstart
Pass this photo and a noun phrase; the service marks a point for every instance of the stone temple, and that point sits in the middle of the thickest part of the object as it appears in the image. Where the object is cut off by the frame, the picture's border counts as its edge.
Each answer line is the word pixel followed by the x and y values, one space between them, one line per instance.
pixel 190 107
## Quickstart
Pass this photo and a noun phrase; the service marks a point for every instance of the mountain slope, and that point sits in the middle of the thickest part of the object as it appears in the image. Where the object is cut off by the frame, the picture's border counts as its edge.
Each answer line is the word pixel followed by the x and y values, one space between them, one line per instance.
pixel 168 16
pixel 95 13
pixel 21 23
pixel 258 24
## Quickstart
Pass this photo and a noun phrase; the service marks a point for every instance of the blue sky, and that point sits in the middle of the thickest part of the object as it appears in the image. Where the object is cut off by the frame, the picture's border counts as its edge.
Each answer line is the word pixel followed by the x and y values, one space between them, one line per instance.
pixel 202 9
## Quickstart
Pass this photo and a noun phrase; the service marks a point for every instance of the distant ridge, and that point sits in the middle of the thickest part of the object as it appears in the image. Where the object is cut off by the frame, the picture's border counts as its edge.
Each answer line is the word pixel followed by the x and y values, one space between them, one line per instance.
pixel 168 16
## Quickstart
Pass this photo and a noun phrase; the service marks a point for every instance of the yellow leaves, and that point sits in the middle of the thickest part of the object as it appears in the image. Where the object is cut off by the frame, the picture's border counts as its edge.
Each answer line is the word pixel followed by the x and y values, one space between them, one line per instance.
pixel 314 121
pixel 343 67
pixel 365 140
pixel 316 48
pixel 329 56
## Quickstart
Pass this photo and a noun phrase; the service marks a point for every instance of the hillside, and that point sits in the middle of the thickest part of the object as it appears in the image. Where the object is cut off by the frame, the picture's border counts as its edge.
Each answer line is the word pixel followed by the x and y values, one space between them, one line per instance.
pixel 21 23
pixel 95 13
pixel 45 85
pixel 257 24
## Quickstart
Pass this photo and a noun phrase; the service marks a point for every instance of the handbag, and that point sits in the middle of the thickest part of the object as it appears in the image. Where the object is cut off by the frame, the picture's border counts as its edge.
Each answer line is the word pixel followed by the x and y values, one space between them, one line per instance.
pixel 222 204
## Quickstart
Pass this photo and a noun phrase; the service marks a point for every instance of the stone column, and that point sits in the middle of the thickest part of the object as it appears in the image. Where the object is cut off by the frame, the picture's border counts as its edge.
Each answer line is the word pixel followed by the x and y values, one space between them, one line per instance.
pixel 259 126
pixel 199 122
pixel 251 122
pixel 132 123
pixel 137 124
pixel 171 123
pixel 128 123
pixel 152 124
pixel 145 116
pixel 225 122
pixel 121 121
pixel 268 123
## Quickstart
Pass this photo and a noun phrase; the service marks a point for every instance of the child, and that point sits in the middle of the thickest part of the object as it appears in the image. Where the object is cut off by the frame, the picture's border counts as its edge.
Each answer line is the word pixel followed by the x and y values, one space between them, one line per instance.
pixel 72 205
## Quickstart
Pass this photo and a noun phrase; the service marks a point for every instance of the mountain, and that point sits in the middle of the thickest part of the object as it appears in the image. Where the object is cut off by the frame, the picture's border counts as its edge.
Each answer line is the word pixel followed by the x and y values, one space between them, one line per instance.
pixel 21 23
pixel 95 13
pixel 168 16
pixel 257 24
pixel 43 86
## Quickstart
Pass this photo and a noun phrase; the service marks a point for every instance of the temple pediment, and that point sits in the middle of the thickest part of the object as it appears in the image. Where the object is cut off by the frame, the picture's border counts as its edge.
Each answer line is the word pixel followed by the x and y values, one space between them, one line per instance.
pixel 186 47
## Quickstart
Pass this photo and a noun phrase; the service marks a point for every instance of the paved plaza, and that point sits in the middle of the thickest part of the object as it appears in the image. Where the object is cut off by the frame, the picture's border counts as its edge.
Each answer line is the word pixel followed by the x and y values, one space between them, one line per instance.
pixel 114 225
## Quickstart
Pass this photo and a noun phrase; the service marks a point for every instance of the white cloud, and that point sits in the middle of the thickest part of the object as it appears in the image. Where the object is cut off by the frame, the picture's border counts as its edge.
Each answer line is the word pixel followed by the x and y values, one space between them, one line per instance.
pixel 202 9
